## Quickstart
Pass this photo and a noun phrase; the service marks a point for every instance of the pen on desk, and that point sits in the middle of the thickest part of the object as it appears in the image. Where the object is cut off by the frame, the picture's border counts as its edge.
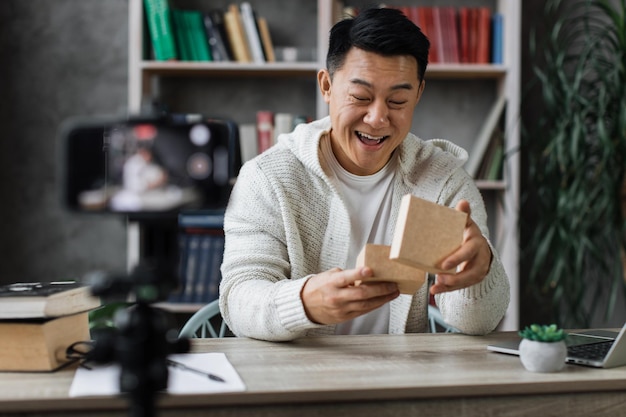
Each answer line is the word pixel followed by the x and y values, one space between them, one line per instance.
pixel 184 367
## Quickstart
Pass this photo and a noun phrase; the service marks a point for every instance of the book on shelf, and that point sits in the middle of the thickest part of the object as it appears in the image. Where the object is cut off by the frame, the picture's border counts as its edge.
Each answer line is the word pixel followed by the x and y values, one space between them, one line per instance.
pixel 265 130
pixel 266 39
pixel 278 123
pixel 236 35
pixel 458 34
pixel 497 38
pixel 180 35
pixel 195 23
pixel 41 300
pixel 483 35
pixel 216 35
pixel 191 36
pixel 160 28
pixel 201 242
pixel 283 123
pixel 493 159
pixel 249 142
pixel 249 20
pixel 484 136
pixel 40 344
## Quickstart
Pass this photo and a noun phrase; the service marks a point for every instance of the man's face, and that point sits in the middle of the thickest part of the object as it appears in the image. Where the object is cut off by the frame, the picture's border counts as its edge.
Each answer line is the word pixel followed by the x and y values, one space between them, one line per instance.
pixel 371 101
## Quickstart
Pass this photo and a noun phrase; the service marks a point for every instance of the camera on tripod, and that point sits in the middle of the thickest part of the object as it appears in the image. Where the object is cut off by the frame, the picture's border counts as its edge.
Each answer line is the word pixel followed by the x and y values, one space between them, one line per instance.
pixel 148 169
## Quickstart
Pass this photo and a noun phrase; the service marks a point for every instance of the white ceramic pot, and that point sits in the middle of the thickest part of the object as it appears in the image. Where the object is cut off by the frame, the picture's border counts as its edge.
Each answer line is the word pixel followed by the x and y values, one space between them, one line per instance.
pixel 542 356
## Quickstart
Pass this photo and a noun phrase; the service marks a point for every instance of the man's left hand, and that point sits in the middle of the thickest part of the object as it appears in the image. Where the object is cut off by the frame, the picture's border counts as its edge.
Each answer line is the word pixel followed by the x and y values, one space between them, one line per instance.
pixel 471 260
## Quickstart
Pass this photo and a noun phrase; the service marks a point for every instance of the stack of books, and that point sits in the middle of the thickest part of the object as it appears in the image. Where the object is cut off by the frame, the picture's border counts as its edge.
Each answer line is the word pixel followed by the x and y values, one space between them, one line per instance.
pixel 235 34
pixel 39 321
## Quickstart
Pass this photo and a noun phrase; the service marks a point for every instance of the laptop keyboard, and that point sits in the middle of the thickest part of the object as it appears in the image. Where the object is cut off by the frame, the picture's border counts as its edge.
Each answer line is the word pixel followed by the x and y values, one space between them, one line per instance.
pixel 592 351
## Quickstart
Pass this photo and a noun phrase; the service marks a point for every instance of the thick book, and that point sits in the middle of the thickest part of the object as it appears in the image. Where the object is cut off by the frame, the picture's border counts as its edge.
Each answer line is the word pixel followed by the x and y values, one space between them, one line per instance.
pixel 249 144
pixel 198 35
pixel 41 300
pixel 483 138
pixel 158 16
pixel 181 32
pixel 40 344
pixel 216 35
pixel 236 35
pixel 483 41
pixel 497 39
pixel 264 130
pixel 248 18
pixel 266 39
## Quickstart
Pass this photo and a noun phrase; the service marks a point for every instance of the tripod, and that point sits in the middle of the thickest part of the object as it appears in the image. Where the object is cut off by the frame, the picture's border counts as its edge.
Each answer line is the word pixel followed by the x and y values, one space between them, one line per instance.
pixel 141 340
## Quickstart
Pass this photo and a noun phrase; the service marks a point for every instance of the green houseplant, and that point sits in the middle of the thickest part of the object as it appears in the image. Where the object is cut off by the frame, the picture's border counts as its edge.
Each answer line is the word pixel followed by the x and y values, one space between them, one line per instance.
pixel 575 154
pixel 543 348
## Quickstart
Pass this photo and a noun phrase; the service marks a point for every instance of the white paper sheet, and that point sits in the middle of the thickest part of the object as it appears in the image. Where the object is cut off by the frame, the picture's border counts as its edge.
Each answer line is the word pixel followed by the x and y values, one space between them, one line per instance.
pixel 104 380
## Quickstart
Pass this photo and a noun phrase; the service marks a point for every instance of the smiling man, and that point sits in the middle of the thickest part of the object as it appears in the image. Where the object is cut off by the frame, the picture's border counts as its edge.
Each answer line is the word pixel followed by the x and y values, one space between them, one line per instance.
pixel 301 212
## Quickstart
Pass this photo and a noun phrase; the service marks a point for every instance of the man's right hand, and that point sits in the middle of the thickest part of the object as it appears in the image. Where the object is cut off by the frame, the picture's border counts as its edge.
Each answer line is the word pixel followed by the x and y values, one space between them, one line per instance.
pixel 337 295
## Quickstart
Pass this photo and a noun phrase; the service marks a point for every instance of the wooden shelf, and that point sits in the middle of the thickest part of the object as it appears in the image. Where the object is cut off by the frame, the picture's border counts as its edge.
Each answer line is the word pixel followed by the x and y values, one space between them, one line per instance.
pixel 498 185
pixel 290 69
pixel 465 71
pixel 228 69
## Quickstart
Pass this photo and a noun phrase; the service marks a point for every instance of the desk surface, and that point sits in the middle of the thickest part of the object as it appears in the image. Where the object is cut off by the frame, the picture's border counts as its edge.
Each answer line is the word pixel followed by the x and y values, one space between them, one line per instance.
pixel 404 370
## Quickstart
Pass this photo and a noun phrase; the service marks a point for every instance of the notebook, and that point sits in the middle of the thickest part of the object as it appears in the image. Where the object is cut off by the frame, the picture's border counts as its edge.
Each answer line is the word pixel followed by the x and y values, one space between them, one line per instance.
pixel 597 348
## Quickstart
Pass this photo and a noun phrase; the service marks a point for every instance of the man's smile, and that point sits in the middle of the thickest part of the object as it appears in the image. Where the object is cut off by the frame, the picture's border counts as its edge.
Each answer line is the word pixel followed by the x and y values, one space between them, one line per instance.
pixel 370 140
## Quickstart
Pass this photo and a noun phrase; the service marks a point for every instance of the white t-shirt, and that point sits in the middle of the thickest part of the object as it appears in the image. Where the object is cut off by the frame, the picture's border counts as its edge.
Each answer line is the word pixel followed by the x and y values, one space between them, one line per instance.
pixel 368 199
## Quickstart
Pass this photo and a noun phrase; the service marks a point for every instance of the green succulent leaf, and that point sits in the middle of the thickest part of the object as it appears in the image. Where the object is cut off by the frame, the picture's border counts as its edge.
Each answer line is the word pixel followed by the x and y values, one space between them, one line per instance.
pixel 543 333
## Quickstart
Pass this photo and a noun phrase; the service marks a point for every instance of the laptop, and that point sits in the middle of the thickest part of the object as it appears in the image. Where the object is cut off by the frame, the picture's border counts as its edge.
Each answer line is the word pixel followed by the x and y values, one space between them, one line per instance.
pixel 596 348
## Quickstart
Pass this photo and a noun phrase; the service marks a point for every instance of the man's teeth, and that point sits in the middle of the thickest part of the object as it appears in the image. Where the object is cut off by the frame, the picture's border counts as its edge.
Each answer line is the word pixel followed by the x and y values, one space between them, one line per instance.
pixel 369 138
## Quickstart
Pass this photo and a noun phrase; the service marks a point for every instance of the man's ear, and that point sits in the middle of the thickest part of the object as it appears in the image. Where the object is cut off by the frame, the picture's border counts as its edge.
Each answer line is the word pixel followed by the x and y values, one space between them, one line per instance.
pixel 323 81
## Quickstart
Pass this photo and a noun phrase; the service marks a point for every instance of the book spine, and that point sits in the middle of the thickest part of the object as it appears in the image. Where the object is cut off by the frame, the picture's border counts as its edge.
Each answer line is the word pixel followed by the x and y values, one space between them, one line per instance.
pixel 198 35
pixel 189 36
pixel 177 295
pixel 204 269
pixel 158 16
pixel 265 130
pixel 283 123
pixel 191 273
pixel 179 35
pixel 205 219
pixel 266 40
pixel 497 31
pixel 214 38
pixel 215 274
pixel 464 35
pixel 236 37
pixel 249 143
pixel 252 34
pixel 484 36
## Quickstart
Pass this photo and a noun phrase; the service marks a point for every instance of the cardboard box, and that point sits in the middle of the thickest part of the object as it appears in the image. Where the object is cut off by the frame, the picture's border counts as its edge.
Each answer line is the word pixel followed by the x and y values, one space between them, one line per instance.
pixel 426 233
pixel 408 278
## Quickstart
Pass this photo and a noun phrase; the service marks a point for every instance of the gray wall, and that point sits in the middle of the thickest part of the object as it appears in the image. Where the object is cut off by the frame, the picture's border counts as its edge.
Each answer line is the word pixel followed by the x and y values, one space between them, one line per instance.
pixel 58 58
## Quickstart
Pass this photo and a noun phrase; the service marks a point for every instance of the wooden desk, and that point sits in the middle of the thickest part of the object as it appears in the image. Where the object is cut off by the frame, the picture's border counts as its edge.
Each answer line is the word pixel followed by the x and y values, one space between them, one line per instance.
pixel 390 375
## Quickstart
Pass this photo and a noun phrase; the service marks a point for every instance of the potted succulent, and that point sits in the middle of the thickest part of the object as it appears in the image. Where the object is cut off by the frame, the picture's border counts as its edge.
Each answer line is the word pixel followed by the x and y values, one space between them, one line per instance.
pixel 543 348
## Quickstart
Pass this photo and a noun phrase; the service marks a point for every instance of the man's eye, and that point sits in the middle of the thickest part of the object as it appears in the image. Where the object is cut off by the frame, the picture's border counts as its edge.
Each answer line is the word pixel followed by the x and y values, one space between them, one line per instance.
pixel 358 98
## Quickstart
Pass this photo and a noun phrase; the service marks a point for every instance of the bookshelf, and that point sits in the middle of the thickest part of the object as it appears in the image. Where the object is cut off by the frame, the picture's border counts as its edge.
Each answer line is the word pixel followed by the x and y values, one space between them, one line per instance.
pixel 459 94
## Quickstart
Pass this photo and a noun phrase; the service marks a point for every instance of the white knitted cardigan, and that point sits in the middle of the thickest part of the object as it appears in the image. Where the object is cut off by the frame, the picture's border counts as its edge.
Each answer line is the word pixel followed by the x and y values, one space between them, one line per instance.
pixel 286 221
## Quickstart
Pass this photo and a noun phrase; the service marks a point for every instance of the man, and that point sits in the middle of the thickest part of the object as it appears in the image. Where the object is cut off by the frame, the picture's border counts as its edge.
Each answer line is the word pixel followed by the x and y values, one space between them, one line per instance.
pixel 301 212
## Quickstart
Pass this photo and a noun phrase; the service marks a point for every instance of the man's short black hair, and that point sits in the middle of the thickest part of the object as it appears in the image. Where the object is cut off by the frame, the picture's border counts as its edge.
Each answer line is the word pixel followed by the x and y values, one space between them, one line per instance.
pixel 384 31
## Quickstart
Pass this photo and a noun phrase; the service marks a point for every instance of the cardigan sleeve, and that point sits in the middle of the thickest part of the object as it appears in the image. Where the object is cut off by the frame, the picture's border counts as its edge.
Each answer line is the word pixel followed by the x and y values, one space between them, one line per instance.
pixel 477 309
pixel 257 297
